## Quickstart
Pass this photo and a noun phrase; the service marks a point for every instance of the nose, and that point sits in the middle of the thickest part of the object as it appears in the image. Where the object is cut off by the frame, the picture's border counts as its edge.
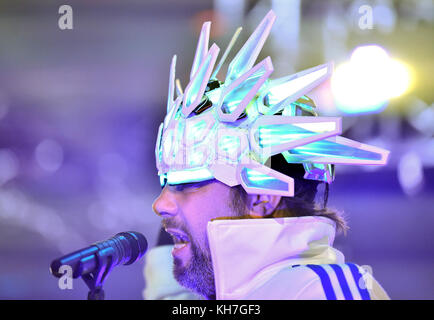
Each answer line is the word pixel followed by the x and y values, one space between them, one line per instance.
pixel 165 204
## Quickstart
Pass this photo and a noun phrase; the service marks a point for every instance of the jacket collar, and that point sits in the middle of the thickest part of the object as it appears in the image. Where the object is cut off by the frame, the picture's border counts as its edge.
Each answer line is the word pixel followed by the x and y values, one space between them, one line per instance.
pixel 247 252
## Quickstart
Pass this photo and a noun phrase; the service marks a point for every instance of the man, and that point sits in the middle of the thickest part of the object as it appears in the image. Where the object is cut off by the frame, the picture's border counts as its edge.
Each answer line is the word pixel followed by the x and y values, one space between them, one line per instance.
pixel 240 162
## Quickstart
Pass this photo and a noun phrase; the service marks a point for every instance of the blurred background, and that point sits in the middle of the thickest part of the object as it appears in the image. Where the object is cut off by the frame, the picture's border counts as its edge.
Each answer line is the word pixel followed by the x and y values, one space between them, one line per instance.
pixel 80 108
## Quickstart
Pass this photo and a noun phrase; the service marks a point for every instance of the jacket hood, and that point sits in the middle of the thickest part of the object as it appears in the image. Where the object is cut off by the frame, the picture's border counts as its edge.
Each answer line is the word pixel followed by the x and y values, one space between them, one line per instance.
pixel 247 252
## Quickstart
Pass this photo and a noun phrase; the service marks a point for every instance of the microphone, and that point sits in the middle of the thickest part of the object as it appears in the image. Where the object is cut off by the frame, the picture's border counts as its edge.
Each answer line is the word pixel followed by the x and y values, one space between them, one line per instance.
pixel 124 248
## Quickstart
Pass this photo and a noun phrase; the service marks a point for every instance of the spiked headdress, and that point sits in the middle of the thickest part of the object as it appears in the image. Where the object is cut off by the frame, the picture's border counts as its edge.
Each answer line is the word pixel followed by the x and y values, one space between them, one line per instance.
pixel 228 130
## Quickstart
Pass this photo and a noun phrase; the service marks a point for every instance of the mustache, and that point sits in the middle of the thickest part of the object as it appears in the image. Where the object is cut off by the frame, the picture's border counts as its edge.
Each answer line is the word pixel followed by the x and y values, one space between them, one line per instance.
pixel 172 224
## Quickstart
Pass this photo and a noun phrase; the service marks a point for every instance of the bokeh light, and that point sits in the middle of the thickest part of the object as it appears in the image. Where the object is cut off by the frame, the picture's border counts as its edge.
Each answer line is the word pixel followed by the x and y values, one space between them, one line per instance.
pixel 8 166
pixel 367 82
pixel 410 173
pixel 49 155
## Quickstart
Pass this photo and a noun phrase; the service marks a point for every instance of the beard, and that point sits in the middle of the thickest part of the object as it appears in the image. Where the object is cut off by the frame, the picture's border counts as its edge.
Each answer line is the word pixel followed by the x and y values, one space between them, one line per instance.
pixel 197 274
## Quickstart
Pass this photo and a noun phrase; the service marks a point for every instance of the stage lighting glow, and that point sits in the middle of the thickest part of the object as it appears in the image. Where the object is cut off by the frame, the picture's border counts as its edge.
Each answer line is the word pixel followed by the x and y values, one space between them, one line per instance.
pixel 399 78
pixel 49 155
pixel 410 173
pixel 8 165
pixel 369 80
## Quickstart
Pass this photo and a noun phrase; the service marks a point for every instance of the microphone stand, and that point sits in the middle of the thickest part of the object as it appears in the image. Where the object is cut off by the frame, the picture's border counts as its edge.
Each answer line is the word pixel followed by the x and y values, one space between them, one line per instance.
pixel 95 280
pixel 95 262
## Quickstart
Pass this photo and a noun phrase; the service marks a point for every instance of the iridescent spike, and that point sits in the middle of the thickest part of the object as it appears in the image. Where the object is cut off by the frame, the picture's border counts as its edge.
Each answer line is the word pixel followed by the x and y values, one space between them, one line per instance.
pixel 225 55
pixel 281 92
pixel 270 135
pixel 198 128
pixel 239 93
pixel 170 95
pixel 179 91
pixel 172 113
pixel 260 179
pixel 201 49
pixel 196 88
pixel 337 150
pixel 247 55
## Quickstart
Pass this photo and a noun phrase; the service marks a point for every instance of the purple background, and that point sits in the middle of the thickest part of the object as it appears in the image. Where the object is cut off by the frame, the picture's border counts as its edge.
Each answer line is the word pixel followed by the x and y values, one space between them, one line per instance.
pixel 79 111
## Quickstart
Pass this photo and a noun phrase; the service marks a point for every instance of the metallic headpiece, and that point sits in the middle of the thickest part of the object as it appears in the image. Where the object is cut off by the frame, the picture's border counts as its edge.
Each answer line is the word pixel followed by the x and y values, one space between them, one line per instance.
pixel 229 130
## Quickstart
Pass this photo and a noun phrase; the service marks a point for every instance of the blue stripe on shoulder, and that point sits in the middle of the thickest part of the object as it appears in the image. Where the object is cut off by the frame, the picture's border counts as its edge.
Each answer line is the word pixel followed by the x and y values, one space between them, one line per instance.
pixel 364 293
pixel 325 280
pixel 342 281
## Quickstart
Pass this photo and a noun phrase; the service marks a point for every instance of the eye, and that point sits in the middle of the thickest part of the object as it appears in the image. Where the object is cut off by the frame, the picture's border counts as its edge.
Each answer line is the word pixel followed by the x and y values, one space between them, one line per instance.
pixel 182 186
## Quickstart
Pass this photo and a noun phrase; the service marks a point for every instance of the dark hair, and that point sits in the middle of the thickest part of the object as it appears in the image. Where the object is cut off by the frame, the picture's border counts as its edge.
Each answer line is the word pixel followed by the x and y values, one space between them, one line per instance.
pixel 303 203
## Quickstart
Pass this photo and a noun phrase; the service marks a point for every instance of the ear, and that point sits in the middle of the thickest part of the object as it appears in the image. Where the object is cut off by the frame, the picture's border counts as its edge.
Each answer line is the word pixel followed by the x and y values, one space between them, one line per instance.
pixel 261 205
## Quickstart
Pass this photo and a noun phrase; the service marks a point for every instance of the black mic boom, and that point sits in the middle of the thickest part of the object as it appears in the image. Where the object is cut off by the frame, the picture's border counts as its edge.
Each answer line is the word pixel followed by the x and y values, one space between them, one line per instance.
pixel 124 248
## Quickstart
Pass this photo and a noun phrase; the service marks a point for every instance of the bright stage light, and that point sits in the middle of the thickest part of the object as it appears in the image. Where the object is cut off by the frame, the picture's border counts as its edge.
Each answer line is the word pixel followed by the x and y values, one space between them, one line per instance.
pixel 367 82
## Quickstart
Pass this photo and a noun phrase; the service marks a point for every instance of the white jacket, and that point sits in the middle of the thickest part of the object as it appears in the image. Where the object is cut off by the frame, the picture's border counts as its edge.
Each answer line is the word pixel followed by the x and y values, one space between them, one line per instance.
pixel 284 258
pixel 279 259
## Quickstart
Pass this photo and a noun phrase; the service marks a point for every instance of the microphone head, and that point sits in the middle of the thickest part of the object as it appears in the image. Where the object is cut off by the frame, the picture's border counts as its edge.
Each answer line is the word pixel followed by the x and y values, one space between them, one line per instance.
pixel 124 248
pixel 137 243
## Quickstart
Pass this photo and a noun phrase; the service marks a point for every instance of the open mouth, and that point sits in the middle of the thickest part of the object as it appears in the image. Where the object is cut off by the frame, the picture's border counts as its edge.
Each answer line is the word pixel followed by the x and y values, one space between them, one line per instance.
pixel 180 239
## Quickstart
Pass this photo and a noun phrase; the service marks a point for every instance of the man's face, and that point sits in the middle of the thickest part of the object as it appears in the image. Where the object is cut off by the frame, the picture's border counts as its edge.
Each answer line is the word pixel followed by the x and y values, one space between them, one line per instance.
pixel 186 210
